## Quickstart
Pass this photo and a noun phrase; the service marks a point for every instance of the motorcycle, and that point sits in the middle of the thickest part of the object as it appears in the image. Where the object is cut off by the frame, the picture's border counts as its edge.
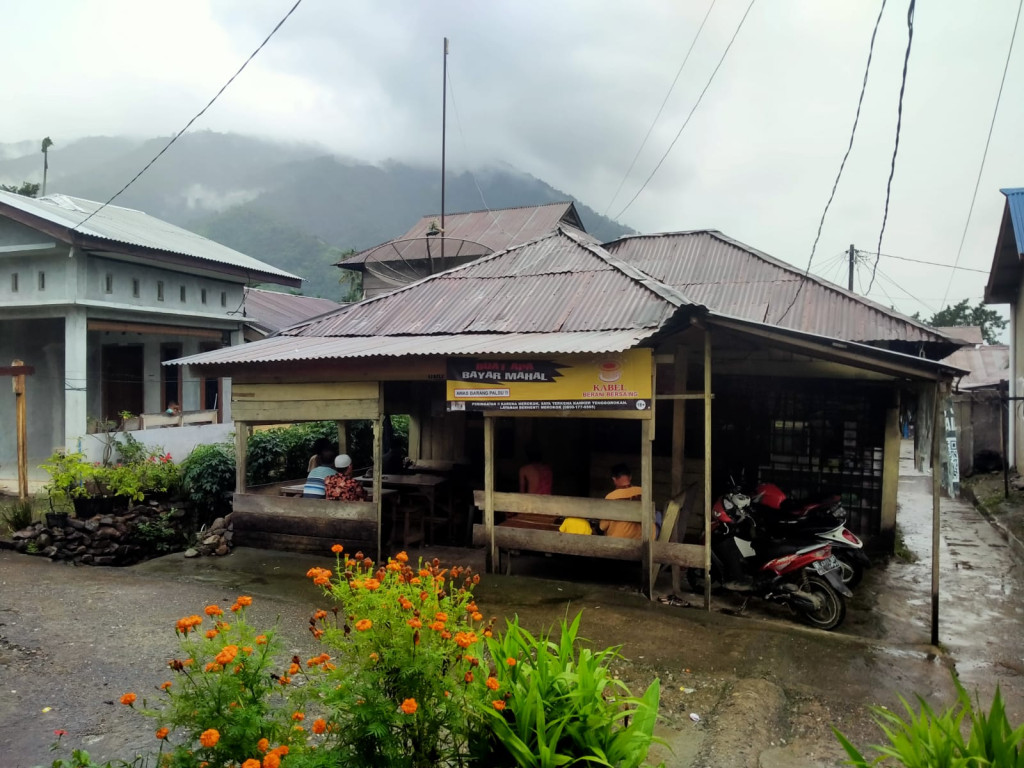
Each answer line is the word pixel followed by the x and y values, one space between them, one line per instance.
pixel 823 520
pixel 803 575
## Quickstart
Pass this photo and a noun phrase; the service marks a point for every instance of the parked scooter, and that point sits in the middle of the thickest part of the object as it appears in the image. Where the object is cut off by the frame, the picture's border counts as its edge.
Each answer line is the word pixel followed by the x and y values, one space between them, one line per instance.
pixel 823 520
pixel 803 575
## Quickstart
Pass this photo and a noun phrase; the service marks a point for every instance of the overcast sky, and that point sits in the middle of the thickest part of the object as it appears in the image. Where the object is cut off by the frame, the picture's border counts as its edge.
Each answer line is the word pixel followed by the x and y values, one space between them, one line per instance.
pixel 566 91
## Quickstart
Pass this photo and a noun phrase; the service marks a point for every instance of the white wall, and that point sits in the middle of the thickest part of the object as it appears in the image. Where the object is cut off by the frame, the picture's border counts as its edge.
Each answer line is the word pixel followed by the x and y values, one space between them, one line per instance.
pixel 177 441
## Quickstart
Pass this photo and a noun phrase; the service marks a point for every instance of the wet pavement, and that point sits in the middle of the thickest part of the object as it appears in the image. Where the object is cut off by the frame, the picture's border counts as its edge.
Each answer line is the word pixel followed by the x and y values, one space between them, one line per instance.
pixel 765 689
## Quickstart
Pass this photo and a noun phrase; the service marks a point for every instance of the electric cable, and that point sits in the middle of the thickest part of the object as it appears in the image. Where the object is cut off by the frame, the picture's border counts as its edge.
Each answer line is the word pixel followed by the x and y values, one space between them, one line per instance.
pixel 842 164
pixel 196 117
pixel 661 109
pixel 921 261
pixel 984 155
pixel 692 111
pixel 896 146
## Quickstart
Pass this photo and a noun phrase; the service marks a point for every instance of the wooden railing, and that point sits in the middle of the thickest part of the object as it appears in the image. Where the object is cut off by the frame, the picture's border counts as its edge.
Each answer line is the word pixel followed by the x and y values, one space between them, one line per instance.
pixel 295 524
pixel 185 418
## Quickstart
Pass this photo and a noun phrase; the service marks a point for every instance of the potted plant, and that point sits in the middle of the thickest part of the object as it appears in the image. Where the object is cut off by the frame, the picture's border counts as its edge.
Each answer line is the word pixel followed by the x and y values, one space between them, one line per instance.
pixel 69 475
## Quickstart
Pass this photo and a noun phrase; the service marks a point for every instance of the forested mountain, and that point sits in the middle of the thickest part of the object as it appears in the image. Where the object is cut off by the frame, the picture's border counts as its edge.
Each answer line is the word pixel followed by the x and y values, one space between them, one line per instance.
pixel 295 206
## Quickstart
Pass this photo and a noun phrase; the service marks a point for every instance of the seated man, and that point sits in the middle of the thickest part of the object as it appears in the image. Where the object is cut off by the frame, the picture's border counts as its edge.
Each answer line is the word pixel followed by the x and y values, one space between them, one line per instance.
pixel 624 489
pixel 314 487
pixel 341 486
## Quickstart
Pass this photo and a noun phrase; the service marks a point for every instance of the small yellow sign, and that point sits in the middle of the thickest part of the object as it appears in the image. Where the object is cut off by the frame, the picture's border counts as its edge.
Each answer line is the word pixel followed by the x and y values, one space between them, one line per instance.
pixel 611 381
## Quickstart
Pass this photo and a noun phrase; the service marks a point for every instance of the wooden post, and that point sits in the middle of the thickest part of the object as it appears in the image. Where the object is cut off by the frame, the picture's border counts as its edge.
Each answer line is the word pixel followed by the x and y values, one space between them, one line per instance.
pixel 241 449
pixel 647 505
pixel 492 552
pixel 18 383
pixel 342 437
pixel 680 361
pixel 378 480
pixel 891 471
pixel 936 492
pixel 707 470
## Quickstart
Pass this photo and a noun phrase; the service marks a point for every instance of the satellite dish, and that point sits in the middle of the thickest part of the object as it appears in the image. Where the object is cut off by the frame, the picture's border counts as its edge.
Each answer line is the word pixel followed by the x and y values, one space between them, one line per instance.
pixel 400 262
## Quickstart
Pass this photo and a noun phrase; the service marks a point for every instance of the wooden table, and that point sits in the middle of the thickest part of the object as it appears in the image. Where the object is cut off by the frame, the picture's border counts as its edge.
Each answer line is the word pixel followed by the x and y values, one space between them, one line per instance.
pixel 415 485
pixel 386 494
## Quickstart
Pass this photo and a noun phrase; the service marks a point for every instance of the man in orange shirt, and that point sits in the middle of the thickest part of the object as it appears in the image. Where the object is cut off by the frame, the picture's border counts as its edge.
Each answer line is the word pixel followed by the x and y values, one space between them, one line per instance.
pixel 624 489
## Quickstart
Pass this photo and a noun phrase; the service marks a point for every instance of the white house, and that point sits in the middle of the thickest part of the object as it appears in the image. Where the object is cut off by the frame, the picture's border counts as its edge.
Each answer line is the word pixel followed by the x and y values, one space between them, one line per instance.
pixel 95 298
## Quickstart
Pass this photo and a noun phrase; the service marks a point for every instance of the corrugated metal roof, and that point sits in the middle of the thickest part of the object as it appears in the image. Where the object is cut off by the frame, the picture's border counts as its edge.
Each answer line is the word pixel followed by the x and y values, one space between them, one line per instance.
pixel 968 334
pixel 730 277
pixel 496 229
pixel 135 228
pixel 1015 202
pixel 271 310
pixel 292 348
pixel 989 365
pixel 521 290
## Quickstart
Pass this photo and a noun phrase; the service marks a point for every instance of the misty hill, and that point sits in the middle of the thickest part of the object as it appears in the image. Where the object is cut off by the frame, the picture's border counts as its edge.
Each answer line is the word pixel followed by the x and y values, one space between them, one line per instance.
pixel 295 206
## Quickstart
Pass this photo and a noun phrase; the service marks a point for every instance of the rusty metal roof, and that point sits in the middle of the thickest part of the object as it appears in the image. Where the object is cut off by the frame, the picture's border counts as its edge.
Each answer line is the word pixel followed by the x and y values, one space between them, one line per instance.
pixel 730 277
pixel 965 334
pixel 989 365
pixel 270 311
pixel 495 230
pixel 559 283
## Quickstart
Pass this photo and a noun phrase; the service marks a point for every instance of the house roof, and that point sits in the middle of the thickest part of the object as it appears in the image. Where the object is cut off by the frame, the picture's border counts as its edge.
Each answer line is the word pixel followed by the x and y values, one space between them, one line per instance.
pixel 270 311
pixel 474 233
pixel 735 279
pixel 124 230
pixel 989 365
pixel 968 334
pixel 1004 277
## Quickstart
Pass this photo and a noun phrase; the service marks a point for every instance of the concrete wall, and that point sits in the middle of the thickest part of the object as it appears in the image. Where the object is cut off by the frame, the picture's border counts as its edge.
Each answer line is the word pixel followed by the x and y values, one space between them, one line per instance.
pixel 979 417
pixel 177 441
pixel 20 278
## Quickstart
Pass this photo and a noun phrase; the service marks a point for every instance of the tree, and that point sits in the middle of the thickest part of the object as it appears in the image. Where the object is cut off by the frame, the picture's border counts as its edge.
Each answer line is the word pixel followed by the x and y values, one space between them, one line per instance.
pixel 990 321
pixel 27 188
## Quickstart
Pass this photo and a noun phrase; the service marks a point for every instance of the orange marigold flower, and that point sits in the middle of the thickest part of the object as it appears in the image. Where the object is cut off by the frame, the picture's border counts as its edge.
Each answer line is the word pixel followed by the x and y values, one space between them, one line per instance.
pixel 322 581
pixel 213 667
pixel 372 584
pixel 319 725
pixel 498 704
pixel 284 680
pixel 329 667
pixel 414 623
pixel 244 600
pixel 293 669
pixel 247 650
pixel 405 603
pixel 477 616
pixel 262 746
pixel 423 595
pixel 227 654
pixel 492 683
pixel 469 677
pixel 441 616
pixel 415 581
pixel 188 662
pixel 282 750
pixel 374 657
pixel 337 549
pixel 235 608
pixel 261 639
pixel 251 763
pixel 409 706
pixel 214 610
pixel 128 699
pixel 424 572
pixel 394 567
pixel 165 685
pixel 446 635
pixel 437 626
pixel 272 760
pixel 211 633
pixel 363 624
pixel 471 607
pixel 488 633
pixel 298 716
pixel 161 733
pixel 511 662
pixel 402 557
pixel 321 614
pixel 209 737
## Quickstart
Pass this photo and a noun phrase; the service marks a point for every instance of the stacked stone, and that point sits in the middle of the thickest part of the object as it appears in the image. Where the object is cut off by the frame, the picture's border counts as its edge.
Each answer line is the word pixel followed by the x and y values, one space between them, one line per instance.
pixel 215 540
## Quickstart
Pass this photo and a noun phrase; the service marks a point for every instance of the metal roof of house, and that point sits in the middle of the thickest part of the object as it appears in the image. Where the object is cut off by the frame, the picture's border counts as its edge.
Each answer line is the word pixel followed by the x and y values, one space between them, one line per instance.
pixel 735 279
pixel 558 283
pixel 125 230
pixel 1004 277
pixel 495 230
pixel 989 365
pixel 270 311
pixel 968 334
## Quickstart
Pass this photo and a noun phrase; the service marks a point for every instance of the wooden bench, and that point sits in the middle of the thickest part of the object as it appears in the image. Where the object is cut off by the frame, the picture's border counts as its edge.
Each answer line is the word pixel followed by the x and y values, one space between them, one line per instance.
pixel 295 524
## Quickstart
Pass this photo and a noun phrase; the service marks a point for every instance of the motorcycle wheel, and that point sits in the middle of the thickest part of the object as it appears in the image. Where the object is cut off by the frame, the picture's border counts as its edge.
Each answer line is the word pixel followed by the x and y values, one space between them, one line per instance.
pixel 851 571
pixel 833 606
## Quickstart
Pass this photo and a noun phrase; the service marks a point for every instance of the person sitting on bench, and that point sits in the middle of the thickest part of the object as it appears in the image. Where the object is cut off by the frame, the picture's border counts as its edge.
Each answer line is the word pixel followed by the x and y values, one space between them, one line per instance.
pixel 341 486
pixel 624 490
pixel 314 487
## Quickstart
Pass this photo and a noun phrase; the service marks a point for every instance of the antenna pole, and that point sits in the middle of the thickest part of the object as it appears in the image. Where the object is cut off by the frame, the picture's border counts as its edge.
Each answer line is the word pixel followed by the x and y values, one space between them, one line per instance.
pixel 444 128
pixel 853 260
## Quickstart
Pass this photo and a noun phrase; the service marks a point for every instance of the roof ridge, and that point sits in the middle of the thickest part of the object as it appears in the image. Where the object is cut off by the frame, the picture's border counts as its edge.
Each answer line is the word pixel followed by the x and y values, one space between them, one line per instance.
pixel 496 210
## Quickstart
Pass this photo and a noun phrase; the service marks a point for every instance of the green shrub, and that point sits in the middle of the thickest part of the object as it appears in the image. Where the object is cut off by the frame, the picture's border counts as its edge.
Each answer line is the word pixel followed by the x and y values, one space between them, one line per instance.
pixel 16 515
pixel 926 739
pixel 283 453
pixel 208 479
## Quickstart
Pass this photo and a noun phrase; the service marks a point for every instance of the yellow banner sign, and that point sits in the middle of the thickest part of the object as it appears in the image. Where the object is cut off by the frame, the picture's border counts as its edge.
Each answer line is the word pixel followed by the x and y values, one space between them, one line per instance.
pixel 604 382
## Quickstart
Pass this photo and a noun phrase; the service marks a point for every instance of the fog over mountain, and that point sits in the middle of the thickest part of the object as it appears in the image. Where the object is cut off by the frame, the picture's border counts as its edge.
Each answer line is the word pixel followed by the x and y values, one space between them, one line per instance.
pixel 296 206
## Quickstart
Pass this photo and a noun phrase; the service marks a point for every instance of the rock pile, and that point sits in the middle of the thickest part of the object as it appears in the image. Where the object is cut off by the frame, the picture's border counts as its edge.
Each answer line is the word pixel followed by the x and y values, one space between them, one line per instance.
pixel 125 537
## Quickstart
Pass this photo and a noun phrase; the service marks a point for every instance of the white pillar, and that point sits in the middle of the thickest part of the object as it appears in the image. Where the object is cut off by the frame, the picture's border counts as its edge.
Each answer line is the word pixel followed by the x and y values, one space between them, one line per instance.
pixel 75 377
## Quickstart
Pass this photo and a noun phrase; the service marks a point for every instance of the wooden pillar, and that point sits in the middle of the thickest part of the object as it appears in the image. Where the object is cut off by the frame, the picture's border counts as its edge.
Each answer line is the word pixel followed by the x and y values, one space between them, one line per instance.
pixel 891 472
pixel 378 484
pixel 492 551
pixel 647 505
pixel 241 451
pixel 21 419
pixel 342 437
pixel 936 519
pixel 414 434
pixel 680 361
pixel 707 470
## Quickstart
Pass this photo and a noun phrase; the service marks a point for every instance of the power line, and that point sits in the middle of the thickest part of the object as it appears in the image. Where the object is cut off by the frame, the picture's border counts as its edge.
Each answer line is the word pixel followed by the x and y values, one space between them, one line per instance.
pixel 842 165
pixel 197 116
pixel 664 101
pixel 896 146
pixel 687 121
pixel 984 155
pixel 921 261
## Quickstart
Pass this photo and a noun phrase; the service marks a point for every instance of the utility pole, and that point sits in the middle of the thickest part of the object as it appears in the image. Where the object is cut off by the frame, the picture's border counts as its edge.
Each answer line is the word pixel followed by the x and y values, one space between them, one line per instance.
pixel 46 161
pixel 853 260
pixel 444 126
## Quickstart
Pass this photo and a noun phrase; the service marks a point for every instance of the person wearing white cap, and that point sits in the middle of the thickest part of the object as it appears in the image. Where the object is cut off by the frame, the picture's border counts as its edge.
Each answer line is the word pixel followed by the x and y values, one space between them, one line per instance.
pixel 341 486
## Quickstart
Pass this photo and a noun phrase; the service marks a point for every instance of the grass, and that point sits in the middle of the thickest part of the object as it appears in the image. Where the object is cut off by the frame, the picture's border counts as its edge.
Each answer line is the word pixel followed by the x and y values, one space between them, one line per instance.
pixel 16 514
